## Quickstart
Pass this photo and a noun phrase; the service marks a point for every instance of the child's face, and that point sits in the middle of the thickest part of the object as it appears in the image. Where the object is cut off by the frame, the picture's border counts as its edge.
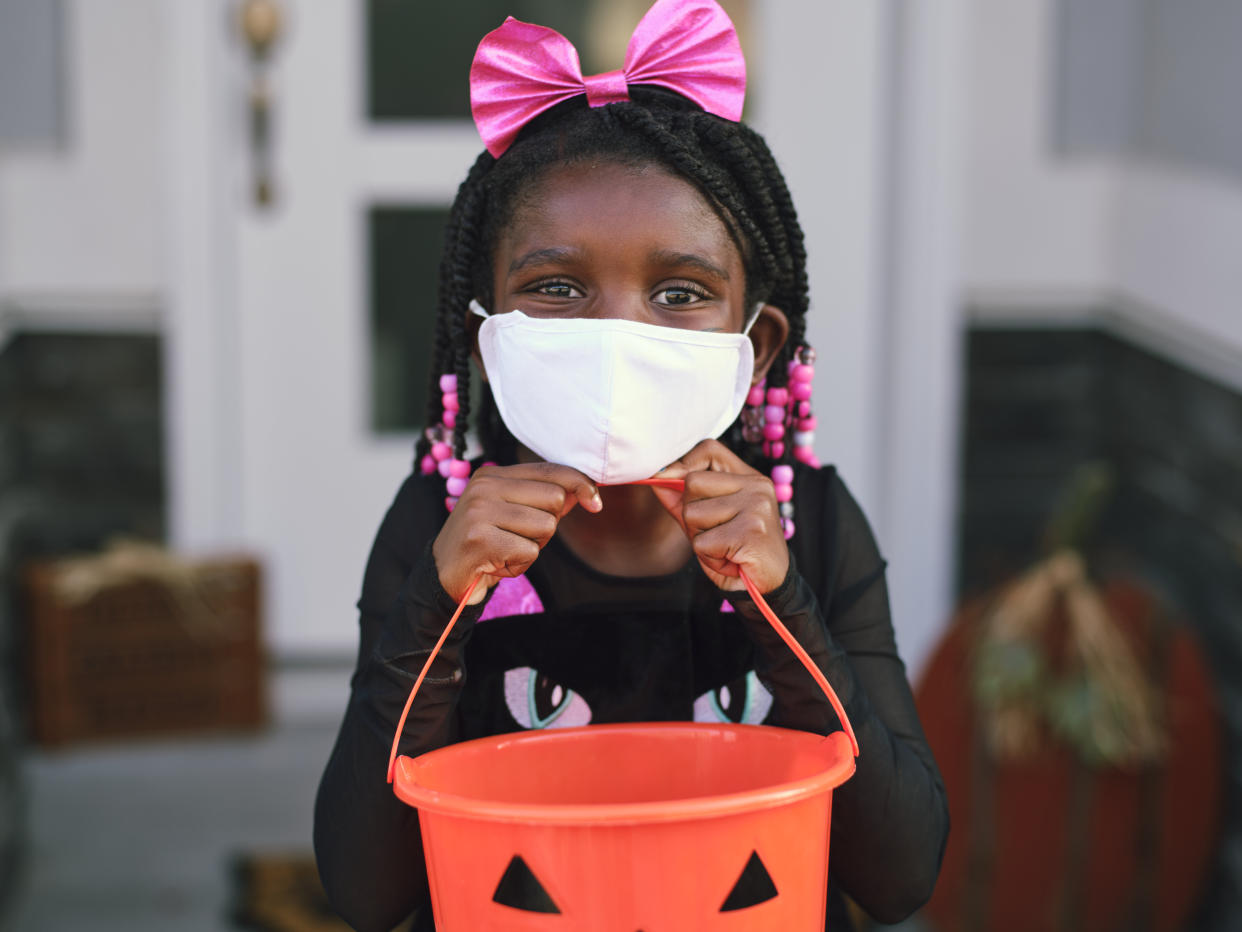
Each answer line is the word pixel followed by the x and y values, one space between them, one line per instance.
pixel 616 241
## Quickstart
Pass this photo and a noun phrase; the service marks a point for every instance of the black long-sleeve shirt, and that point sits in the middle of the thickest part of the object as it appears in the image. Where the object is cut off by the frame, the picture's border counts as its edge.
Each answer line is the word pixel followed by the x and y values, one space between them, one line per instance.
pixel 603 649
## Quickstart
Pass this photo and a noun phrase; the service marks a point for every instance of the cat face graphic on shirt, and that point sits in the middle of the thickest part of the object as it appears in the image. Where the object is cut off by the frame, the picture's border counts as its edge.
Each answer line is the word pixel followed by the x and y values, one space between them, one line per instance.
pixel 535 669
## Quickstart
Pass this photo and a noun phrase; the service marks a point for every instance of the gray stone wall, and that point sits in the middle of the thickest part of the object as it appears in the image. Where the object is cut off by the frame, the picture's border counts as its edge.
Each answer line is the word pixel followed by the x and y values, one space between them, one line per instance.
pixel 1039 403
pixel 81 456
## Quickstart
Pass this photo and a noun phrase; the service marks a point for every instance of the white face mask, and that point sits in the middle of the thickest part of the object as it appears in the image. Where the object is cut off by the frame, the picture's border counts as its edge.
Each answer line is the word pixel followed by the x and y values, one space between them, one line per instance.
pixel 616 399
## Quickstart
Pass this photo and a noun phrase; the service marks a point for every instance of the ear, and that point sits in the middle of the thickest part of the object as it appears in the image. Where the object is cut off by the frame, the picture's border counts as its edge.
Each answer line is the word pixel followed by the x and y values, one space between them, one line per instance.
pixel 473 323
pixel 768 334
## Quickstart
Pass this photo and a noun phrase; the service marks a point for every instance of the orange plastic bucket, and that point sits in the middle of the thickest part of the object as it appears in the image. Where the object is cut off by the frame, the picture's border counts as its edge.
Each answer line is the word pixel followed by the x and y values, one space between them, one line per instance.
pixel 630 828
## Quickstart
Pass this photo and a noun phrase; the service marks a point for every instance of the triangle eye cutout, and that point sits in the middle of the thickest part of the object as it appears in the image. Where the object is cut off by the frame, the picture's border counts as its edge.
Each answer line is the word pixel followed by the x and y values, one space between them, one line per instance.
pixel 522 890
pixel 755 886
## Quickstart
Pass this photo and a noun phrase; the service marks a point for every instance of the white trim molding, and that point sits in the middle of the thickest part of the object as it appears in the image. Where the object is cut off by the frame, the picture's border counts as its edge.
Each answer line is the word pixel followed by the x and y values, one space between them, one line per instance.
pixel 923 320
pixel 202 395
pixel 79 313
pixel 1153 329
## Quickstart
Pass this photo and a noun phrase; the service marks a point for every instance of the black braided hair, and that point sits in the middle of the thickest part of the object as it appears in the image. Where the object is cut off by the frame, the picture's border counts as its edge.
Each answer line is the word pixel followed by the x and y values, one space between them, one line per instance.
pixel 729 163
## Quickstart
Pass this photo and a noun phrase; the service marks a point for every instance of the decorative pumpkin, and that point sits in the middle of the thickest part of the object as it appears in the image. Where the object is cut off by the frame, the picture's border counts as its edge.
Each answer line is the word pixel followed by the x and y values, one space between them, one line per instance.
pixel 1077 803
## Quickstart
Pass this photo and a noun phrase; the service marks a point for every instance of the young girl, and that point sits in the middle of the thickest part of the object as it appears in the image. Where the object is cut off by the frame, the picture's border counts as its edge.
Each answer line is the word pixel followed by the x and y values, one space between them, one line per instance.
pixel 625 271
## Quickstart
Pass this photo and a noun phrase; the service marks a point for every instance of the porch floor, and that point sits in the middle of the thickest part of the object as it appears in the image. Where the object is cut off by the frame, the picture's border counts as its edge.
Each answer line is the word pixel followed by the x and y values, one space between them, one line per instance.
pixel 140 837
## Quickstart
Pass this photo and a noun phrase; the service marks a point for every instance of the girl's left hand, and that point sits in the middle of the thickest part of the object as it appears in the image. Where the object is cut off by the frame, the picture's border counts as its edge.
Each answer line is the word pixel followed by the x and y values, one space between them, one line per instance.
pixel 729 512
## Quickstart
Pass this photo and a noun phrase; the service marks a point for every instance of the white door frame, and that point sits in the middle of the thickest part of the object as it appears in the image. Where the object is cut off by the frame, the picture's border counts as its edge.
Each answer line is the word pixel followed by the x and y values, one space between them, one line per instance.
pixel 878 191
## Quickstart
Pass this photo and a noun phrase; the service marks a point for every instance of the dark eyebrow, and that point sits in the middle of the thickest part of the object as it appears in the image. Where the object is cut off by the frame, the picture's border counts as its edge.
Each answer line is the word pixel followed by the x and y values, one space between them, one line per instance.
pixel 689 258
pixel 551 254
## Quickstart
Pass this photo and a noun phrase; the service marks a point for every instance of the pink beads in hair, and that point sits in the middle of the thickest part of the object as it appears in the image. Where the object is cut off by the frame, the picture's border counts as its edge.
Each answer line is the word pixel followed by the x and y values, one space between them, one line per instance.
pixel 775 417
pixel 455 472
pixel 782 478
pixel 752 415
pixel 801 378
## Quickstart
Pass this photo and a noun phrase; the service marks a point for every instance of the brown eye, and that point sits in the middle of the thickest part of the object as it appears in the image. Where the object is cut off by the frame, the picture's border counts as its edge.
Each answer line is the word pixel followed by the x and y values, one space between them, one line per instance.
pixel 678 295
pixel 558 290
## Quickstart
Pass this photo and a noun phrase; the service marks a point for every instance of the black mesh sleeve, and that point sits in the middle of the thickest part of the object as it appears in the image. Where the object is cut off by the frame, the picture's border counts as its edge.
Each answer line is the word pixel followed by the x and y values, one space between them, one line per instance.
pixel 890 820
pixel 367 842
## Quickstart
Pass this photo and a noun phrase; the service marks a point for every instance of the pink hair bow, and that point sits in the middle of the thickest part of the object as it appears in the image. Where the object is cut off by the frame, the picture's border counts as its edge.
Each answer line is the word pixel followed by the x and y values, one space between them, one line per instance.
pixel 687 46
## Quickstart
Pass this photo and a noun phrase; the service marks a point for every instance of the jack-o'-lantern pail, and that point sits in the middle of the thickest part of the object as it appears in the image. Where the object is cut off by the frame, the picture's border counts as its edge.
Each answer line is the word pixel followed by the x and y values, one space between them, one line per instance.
pixel 630 828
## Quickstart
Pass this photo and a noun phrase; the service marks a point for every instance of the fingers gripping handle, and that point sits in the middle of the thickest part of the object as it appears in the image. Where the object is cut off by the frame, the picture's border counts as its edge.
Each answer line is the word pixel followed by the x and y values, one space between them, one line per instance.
pixel 799 652
pixel 778 626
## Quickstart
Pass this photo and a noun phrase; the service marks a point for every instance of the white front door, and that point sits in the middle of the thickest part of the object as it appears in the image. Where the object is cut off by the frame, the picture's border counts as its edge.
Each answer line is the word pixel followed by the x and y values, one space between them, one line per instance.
pixel 317 474
pixel 278 449
pixel 280 430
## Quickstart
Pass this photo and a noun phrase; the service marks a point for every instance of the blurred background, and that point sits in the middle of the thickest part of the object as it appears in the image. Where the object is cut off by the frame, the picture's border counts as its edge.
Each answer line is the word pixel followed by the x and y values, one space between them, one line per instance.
pixel 219 229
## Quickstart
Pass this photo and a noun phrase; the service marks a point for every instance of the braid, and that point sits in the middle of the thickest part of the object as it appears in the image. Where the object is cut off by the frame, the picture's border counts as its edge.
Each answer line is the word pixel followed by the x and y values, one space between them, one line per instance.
pixel 729 164
pixel 798 298
pixel 451 352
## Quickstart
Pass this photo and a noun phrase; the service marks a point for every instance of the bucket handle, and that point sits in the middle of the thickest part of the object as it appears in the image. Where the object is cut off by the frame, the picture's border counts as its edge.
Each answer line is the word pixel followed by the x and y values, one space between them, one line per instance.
pixel 777 625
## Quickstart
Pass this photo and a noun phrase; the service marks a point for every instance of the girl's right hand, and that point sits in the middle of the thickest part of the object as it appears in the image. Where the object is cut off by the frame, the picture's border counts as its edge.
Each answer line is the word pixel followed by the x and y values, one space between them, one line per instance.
pixel 503 519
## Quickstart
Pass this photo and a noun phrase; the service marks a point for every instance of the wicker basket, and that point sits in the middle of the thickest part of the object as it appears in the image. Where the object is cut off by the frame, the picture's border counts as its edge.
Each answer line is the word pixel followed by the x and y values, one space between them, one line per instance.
pixel 142 657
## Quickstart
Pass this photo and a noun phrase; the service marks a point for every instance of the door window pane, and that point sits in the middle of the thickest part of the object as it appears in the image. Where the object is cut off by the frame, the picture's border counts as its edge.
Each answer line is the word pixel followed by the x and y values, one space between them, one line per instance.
pixel 419 54
pixel 404 249
pixel 32 45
